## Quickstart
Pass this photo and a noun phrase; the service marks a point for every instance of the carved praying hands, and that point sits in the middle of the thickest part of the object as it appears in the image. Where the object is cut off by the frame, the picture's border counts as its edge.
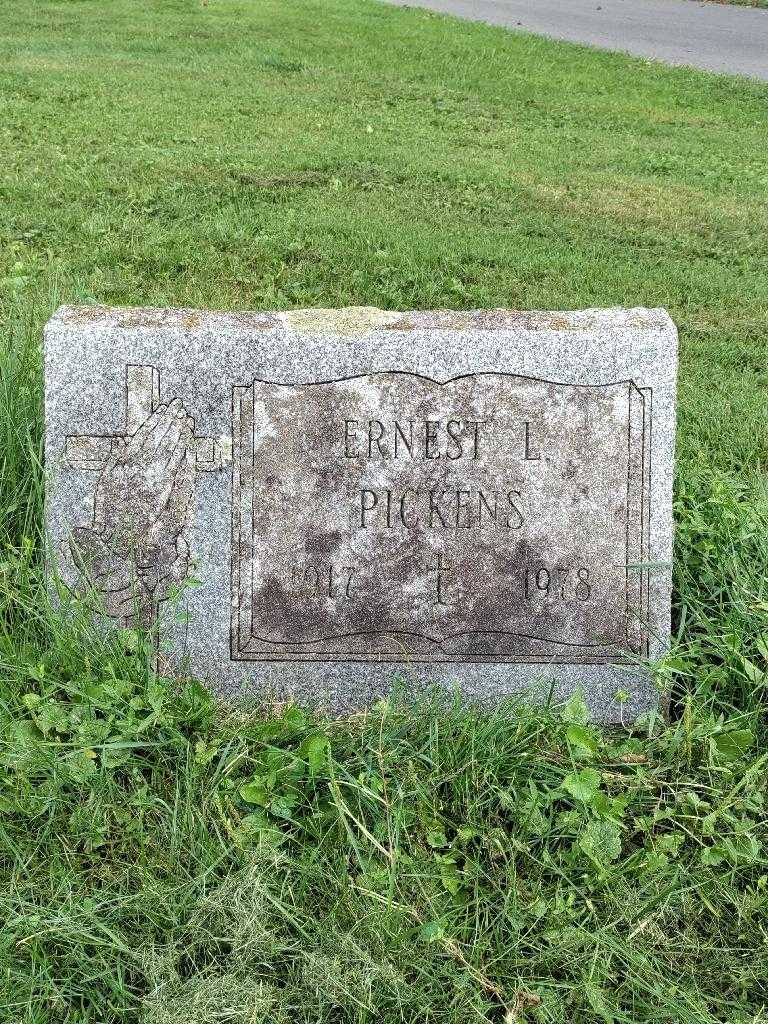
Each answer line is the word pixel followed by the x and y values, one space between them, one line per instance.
pixel 135 551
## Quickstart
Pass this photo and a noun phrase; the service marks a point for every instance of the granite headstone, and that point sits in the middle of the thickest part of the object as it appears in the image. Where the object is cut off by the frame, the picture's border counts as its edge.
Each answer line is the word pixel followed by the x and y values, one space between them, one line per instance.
pixel 474 498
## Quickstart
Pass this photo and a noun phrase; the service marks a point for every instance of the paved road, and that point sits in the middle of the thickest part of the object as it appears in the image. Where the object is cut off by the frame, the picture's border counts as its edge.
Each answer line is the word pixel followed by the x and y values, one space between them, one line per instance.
pixel 716 37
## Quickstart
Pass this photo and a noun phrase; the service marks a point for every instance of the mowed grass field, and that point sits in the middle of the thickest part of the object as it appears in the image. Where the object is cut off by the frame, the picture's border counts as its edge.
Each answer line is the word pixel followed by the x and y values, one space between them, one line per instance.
pixel 163 859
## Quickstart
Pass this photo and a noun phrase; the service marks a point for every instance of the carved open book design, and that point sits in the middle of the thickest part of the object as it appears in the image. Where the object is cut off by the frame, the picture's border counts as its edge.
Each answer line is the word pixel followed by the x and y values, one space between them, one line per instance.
pixel 391 517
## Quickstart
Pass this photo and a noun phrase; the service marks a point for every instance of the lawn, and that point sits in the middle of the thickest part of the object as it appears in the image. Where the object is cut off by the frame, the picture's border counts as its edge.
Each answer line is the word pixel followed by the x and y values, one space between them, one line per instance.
pixel 165 860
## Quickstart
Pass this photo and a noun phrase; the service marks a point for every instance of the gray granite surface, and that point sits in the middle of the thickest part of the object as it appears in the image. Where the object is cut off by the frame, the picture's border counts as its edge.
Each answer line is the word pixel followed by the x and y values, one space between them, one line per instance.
pixel 478 498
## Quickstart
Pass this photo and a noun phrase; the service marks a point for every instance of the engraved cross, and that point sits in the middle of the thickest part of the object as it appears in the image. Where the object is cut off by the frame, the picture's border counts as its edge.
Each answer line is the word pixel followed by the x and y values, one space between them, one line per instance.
pixel 439 568
pixel 142 398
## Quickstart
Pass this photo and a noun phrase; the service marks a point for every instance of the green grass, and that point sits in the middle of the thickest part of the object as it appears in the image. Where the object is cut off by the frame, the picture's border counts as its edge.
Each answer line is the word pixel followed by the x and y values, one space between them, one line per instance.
pixel 164 860
pixel 744 3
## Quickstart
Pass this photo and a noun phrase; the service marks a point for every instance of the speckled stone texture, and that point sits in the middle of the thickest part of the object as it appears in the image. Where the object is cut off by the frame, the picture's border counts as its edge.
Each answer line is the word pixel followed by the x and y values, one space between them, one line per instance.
pixel 478 498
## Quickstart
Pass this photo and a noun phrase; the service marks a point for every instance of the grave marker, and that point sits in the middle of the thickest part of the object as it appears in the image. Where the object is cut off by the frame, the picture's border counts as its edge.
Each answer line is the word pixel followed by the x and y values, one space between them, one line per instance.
pixel 481 498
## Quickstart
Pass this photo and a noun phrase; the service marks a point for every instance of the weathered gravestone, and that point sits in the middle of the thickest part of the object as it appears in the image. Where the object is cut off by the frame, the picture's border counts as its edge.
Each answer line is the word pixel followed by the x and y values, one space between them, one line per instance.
pixel 481 498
